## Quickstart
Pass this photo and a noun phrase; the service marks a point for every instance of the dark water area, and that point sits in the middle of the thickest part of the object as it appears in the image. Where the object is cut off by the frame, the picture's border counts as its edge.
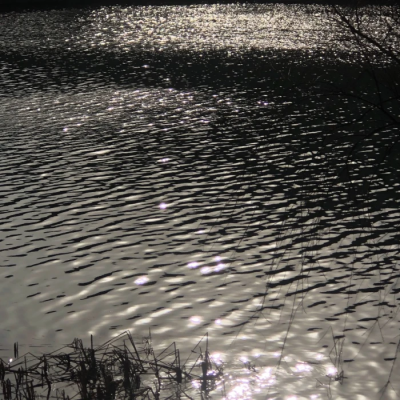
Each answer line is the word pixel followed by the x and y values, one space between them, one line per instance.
pixel 31 5
pixel 193 169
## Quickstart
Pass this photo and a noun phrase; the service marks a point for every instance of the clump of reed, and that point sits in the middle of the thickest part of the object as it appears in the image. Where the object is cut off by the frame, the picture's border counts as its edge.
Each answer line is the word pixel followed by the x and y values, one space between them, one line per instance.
pixel 117 369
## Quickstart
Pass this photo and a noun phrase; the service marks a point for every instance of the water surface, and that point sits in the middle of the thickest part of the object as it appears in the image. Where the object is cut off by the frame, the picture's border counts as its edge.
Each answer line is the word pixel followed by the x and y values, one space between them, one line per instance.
pixel 169 168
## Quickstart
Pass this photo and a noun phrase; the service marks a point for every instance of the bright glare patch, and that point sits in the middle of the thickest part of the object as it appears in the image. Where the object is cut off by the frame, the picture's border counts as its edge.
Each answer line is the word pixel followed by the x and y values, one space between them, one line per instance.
pixel 163 206
pixel 319 356
pixel 196 384
pixel 291 398
pixel 219 267
pixel 218 321
pixel 212 373
pixel 216 357
pixel 244 359
pixel 10 360
pixel 164 160
pixel 217 258
pixel 195 320
pixel 142 280
pixel 331 371
pixel 241 391
pixel 193 265
pixel 143 321
pixel 205 270
pixel 266 374
pixel 303 367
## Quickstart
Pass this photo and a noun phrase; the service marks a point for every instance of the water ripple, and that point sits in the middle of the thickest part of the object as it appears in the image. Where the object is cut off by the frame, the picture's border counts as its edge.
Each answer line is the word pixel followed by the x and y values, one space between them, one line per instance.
pixel 136 193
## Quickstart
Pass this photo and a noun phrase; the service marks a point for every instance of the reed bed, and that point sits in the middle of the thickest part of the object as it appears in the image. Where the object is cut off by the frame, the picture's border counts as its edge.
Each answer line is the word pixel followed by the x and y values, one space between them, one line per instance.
pixel 117 369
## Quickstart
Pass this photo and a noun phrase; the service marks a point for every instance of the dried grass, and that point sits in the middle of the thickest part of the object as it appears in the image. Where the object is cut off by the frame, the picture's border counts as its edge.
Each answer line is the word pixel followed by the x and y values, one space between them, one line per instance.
pixel 118 369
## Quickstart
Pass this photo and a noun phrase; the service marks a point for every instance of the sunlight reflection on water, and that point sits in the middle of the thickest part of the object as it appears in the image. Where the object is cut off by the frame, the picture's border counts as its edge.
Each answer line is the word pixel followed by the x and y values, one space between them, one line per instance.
pixel 118 119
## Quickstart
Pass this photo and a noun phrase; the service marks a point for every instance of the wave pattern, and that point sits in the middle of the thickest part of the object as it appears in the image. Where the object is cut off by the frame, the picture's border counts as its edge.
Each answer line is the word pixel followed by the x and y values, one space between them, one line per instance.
pixel 129 203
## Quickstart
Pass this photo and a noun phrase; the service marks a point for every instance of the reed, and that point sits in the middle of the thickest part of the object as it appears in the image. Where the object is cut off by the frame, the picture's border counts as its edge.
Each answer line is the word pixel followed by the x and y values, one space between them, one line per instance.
pixel 118 369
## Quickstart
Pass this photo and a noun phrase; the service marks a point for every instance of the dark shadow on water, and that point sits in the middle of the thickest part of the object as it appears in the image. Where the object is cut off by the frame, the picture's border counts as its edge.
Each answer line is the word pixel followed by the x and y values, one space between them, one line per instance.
pixel 34 5
pixel 74 70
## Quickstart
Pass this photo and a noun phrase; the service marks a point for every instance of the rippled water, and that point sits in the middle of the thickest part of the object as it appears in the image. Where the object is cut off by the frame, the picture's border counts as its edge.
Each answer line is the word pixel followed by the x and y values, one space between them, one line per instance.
pixel 168 168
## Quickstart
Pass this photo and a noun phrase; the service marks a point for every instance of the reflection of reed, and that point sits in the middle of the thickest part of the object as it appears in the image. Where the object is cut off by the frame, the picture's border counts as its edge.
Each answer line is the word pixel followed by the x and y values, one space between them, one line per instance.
pixel 117 369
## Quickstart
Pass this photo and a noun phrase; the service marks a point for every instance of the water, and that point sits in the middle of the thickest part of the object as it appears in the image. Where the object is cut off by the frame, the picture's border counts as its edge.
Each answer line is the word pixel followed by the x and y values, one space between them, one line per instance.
pixel 170 168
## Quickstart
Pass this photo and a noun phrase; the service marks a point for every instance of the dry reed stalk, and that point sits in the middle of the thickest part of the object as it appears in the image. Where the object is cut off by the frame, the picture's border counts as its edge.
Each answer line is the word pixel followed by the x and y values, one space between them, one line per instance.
pixel 117 369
